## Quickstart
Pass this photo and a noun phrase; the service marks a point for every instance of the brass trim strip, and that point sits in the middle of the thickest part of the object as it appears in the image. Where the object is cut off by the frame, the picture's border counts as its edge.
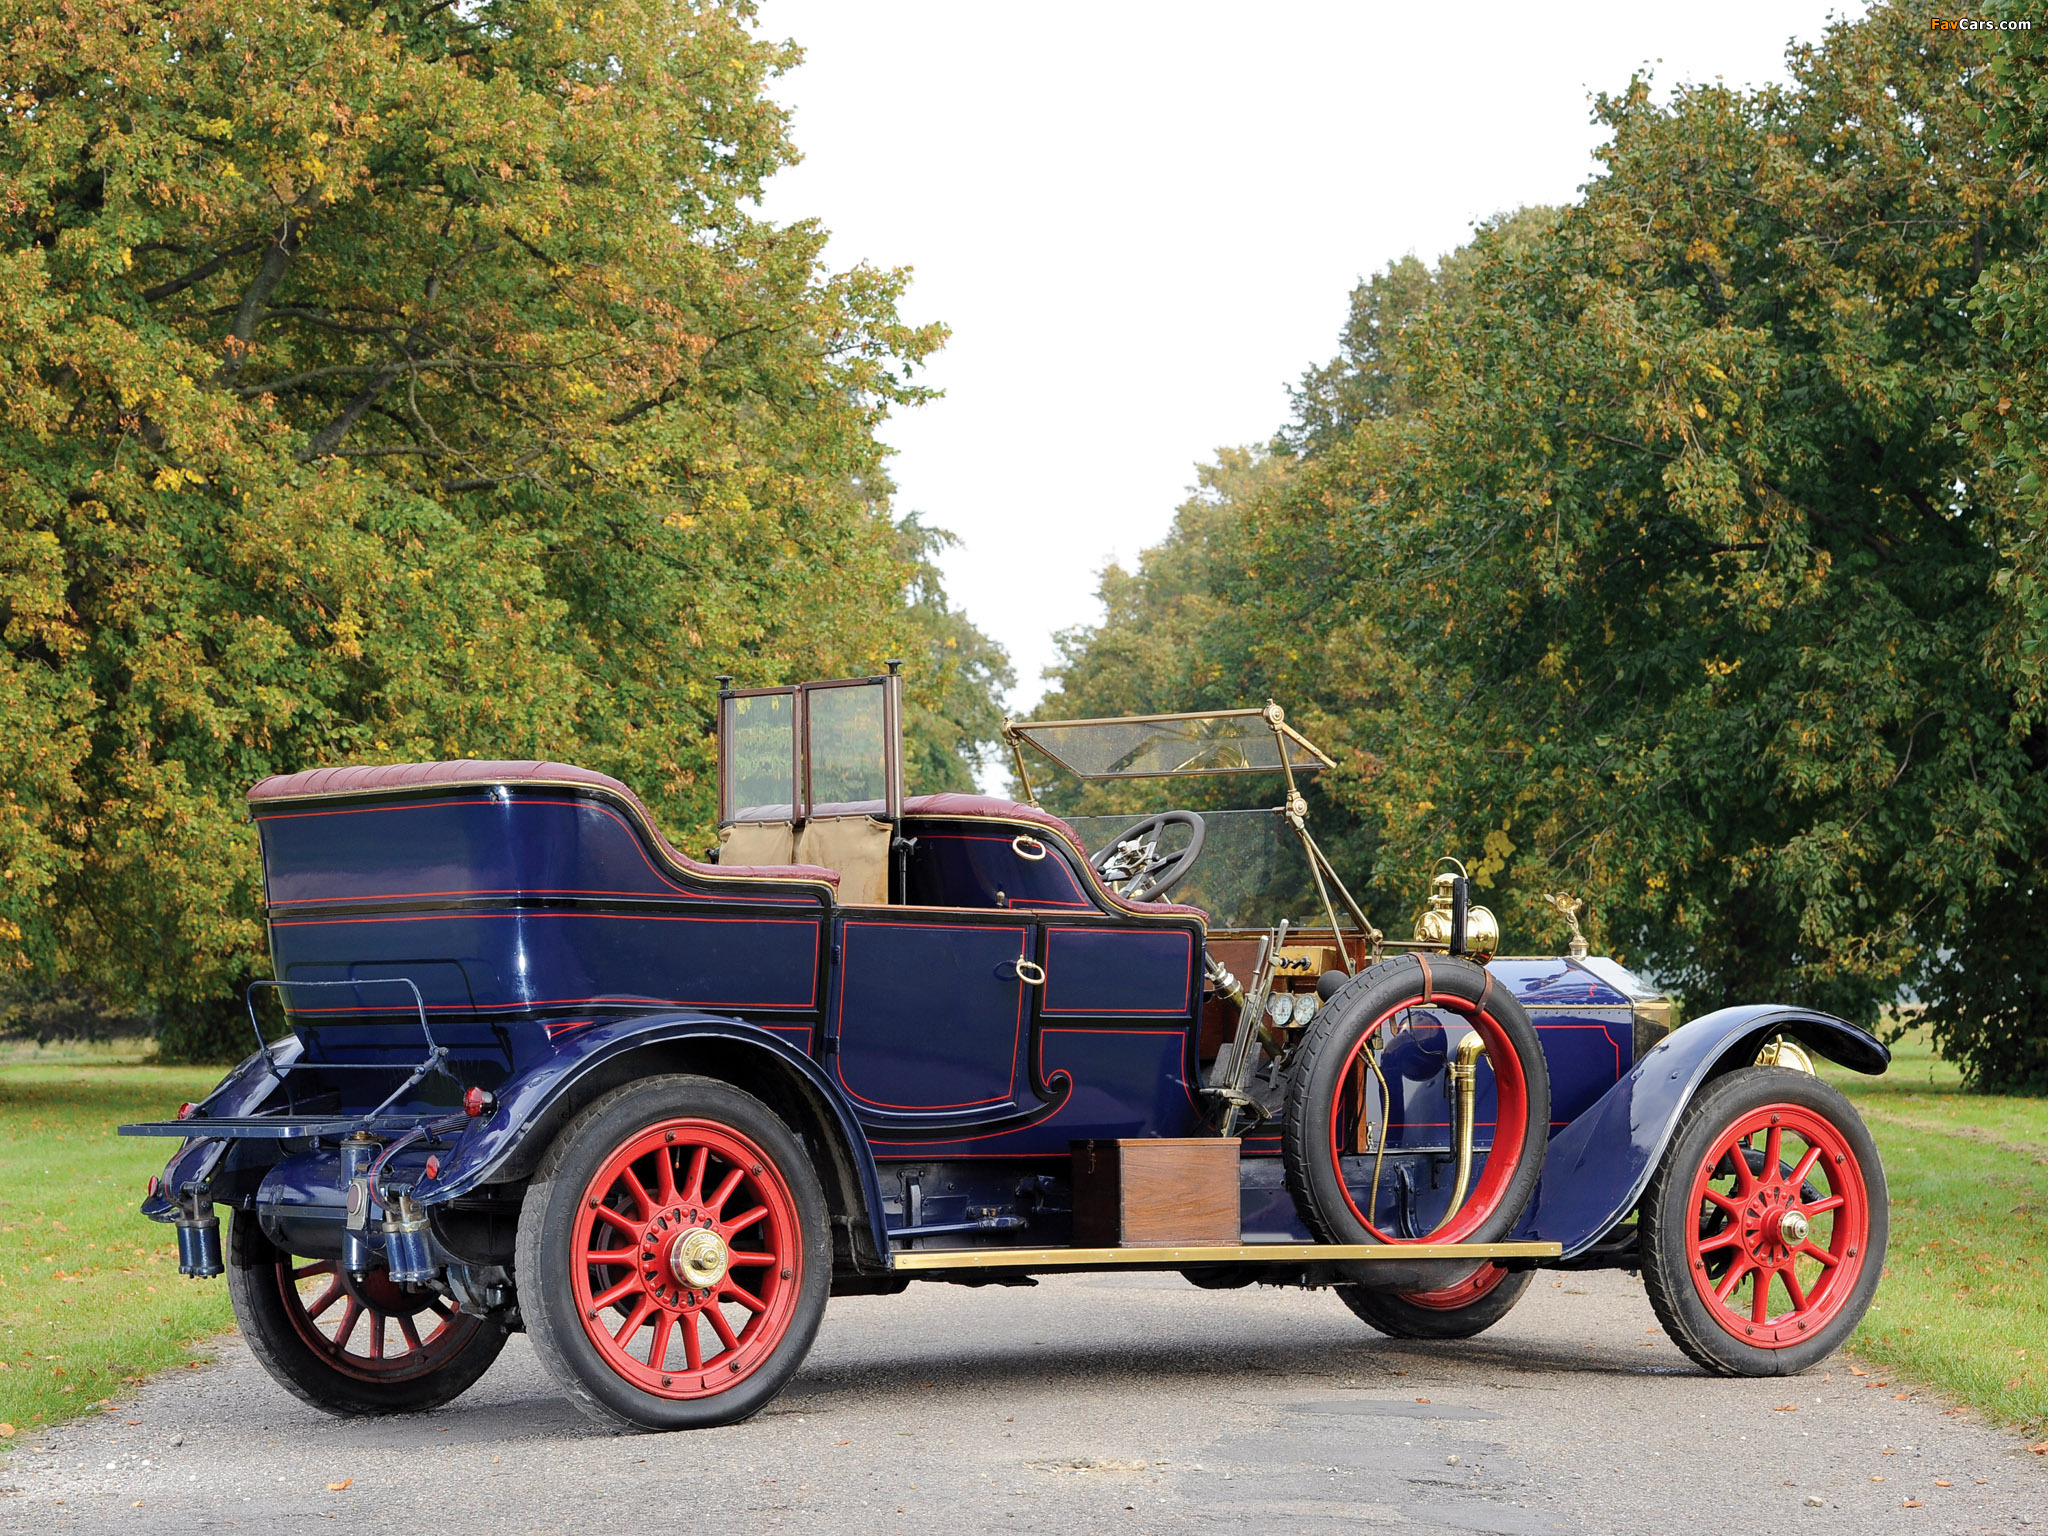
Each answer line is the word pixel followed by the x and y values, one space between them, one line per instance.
pixel 1246 1253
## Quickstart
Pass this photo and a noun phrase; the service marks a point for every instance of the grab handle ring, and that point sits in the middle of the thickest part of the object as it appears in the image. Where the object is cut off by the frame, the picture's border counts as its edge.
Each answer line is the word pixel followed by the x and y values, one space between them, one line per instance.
pixel 1028 972
pixel 1027 847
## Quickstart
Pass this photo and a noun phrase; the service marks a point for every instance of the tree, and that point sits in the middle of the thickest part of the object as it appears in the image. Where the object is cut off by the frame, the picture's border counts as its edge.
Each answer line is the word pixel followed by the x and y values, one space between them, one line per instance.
pixel 403 382
pixel 1636 556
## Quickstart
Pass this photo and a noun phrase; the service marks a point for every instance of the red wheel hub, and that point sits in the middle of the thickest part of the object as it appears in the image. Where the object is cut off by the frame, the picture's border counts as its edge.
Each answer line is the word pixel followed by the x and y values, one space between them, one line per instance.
pixel 1511 1118
pixel 687 1259
pixel 1782 1221
pixel 369 1327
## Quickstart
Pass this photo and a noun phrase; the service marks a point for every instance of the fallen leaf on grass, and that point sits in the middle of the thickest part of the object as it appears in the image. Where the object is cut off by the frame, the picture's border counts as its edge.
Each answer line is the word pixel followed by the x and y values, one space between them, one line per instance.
pixel 6 1431
pixel 337 1487
pixel 1900 1397
pixel 2041 1449
pixel 1854 1371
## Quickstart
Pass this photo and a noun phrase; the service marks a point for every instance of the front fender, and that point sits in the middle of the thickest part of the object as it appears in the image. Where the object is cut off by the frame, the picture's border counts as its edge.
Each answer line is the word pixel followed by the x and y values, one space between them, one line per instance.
pixel 525 1102
pixel 1598 1166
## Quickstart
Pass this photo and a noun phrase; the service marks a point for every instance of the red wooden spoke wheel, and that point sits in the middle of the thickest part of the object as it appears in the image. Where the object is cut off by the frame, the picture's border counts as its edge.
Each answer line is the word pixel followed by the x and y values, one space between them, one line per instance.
pixel 365 1326
pixel 1764 1228
pixel 1481 1283
pixel 686 1257
pixel 1457 1311
pixel 1783 1225
pixel 351 1344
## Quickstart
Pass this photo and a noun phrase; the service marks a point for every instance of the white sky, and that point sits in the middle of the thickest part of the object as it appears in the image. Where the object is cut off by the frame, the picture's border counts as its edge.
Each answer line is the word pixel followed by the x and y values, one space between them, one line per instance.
pixel 1142 222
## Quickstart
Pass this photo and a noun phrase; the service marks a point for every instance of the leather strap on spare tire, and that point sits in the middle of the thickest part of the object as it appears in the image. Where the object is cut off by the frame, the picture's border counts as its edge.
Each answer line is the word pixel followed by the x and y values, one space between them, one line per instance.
pixel 1332 1182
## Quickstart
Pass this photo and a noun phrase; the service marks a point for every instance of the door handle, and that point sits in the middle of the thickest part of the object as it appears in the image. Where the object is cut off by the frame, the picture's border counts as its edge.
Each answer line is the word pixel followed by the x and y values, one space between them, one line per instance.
pixel 1026 971
pixel 1026 846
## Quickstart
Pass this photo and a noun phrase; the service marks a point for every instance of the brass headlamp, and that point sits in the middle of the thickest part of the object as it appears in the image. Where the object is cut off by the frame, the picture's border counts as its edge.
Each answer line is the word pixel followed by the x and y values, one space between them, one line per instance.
pixel 1438 923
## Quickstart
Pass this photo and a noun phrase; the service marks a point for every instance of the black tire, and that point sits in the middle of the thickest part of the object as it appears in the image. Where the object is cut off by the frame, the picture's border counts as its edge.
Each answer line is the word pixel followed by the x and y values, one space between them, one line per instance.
pixel 1501 1190
pixel 1692 1241
pixel 783 1261
pixel 286 1308
pixel 1221 1277
pixel 1441 1314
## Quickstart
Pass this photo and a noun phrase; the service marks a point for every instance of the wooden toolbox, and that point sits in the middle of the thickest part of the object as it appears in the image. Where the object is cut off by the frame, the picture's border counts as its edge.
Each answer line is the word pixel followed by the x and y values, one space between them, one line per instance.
pixel 1165 1192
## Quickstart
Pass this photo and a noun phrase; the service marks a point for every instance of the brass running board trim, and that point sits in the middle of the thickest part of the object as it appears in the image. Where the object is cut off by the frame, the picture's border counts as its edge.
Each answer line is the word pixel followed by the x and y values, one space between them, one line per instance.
pixel 1245 1253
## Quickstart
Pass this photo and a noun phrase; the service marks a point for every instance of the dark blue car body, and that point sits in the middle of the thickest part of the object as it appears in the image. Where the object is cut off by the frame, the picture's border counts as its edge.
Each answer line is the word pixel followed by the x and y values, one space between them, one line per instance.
pixel 527 923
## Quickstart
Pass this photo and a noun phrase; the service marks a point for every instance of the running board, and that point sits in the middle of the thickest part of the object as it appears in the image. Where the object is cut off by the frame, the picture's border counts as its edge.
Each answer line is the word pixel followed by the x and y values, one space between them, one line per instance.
pixel 1247 1253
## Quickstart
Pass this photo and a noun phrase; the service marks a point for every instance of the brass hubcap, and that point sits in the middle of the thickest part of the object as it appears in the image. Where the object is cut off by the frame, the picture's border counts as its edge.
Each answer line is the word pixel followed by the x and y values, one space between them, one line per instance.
pixel 698 1259
pixel 1792 1228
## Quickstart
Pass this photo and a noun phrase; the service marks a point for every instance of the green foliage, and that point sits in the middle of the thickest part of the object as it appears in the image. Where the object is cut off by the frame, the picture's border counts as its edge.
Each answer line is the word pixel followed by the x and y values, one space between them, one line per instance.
pixel 91 1301
pixel 1631 554
pixel 407 383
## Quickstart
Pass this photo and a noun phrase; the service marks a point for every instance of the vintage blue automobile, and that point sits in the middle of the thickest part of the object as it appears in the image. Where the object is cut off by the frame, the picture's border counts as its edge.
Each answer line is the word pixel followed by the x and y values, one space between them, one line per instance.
pixel 539 1069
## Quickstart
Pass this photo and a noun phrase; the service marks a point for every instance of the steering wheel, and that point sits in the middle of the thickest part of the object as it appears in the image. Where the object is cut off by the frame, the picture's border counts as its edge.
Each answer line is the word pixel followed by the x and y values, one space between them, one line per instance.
pixel 1132 865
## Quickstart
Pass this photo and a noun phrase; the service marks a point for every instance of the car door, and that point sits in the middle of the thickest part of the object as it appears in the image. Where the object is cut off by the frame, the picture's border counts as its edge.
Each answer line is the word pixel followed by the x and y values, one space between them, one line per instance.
pixel 932 1015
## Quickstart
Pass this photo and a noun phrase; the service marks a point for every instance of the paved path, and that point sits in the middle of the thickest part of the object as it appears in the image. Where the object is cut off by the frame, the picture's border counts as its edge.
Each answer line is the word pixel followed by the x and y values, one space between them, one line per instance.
pixel 1091 1403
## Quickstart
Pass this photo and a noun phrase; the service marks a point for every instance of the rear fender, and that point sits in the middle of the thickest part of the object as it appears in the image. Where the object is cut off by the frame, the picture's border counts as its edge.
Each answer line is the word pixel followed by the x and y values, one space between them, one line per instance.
pixel 242 1092
pixel 532 1108
pixel 1598 1166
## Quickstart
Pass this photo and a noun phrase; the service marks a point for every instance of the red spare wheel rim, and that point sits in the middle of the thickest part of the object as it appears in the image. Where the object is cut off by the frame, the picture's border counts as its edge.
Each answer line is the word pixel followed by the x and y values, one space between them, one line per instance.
pixel 687 1259
pixel 1511 1117
pixel 1782 1220
pixel 1455 1298
pixel 367 1326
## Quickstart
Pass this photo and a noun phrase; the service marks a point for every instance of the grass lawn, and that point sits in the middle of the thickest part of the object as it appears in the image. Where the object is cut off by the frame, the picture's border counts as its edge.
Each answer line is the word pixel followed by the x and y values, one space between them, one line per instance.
pixel 90 1296
pixel 91 1300
pixel 1964 1303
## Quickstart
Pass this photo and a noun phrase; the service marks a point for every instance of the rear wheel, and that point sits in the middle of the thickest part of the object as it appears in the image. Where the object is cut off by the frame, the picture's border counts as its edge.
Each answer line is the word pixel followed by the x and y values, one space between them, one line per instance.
pixel 353 1345
pixel 1764 1229
pixel 674 1256
pixel 1458 1311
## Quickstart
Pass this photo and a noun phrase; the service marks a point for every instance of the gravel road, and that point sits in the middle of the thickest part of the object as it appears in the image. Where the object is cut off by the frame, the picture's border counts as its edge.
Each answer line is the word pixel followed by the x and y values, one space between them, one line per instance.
pixel 1090 1403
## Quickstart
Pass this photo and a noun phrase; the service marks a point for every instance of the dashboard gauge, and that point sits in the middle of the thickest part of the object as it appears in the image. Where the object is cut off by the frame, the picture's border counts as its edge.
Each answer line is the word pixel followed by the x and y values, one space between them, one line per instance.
pixel 1280 1008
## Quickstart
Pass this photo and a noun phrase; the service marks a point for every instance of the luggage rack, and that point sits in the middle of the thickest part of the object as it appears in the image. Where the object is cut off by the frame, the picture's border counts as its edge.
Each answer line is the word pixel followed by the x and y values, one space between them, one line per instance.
pixel 291 1125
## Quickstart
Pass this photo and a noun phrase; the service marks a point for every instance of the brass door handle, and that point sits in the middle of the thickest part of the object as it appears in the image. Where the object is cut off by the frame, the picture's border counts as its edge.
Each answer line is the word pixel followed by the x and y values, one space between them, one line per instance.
pixel 1026 846
pixel 1026 971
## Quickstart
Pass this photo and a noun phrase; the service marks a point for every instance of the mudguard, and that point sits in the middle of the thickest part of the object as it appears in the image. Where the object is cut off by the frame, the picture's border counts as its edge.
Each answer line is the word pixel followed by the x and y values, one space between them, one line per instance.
pixel 1598 1166
pixel 241 1092
pixel 523 1104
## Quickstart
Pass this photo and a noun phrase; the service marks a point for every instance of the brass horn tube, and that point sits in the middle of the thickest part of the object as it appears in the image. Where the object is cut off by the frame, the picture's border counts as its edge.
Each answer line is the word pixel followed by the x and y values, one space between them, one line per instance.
pixel 1465 1085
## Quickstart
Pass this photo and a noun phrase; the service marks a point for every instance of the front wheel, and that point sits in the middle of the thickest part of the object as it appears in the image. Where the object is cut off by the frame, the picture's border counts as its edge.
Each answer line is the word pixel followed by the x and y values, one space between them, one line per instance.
pixel 354 1345
pixel 1764 1229
pixel 674 1256
pixel 1458 1311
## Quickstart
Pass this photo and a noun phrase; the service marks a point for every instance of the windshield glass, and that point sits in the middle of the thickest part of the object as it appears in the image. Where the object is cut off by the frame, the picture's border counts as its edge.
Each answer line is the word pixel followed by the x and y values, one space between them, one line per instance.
pixel 758 739
pixel 849 744
pixel 1229 741
pixel 1251 873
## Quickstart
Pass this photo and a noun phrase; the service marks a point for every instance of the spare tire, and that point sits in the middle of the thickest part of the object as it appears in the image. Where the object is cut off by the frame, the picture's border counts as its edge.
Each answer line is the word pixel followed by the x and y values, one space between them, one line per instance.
pixel 1331 1183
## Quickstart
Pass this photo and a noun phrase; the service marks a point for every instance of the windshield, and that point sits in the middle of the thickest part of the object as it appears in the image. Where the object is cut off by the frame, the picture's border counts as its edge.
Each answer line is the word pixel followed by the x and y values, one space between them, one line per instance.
pixel 1153 746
